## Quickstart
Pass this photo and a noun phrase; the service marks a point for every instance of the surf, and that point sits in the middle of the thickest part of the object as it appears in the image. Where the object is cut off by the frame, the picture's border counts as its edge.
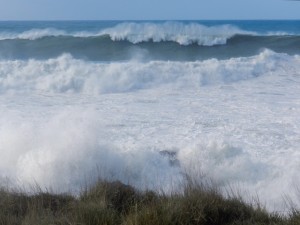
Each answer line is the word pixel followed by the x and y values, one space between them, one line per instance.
pixel 66 74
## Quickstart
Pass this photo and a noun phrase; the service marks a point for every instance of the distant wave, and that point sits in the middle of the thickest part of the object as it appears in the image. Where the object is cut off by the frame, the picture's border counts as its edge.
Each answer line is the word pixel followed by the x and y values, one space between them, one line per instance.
pixel 183 34
pixel 150 41
pixel 33 34
pixel 103 48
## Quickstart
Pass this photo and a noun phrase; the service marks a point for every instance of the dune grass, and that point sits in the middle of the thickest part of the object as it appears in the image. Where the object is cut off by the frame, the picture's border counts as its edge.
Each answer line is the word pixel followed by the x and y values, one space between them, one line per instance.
pixel 114 203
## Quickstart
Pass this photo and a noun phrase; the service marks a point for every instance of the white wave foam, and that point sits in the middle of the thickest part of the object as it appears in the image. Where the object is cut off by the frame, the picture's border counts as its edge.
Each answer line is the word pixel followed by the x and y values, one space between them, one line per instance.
pixel 221 162
pixel 249 176
pixel 67 159
pixel 236 120
pixel 181 33
pixel 68 75
pixel 33 34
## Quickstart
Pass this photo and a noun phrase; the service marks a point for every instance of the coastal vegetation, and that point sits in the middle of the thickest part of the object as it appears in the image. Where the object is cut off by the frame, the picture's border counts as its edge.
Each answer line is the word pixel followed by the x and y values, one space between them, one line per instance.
pixel 115 203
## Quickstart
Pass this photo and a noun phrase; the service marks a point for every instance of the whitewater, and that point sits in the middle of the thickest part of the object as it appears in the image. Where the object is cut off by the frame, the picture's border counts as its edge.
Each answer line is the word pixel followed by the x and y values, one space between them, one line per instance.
pixel 145 118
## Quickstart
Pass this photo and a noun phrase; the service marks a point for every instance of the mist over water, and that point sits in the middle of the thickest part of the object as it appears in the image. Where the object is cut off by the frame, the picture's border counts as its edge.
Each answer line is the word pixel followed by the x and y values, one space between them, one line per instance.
pixel 147 111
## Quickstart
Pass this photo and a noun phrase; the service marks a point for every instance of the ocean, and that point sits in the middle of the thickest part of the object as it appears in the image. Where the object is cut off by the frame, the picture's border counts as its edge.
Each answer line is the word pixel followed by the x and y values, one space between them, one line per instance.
pixel 147 102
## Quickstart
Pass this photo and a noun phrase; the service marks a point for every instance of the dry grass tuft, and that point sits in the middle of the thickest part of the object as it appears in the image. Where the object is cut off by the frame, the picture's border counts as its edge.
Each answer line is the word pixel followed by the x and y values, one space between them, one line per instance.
pixel 114 203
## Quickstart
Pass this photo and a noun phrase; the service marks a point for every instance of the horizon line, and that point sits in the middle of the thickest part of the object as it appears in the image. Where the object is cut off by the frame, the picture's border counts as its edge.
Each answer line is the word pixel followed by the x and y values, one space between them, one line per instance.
pixel 116 20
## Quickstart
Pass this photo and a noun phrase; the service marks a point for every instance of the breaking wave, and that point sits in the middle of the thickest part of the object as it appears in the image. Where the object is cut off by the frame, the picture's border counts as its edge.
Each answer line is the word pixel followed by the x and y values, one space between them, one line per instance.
pixel 151 41
pixel 68 75
pixel 183 34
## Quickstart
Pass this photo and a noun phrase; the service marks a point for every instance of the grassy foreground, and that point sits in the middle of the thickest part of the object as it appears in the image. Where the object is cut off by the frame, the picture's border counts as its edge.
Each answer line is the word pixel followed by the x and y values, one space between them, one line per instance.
pixel 113 203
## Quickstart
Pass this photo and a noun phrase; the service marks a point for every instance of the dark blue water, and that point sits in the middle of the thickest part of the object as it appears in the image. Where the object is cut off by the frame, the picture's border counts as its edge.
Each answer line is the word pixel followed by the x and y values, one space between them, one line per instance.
pixel 262 26
pixel 147 40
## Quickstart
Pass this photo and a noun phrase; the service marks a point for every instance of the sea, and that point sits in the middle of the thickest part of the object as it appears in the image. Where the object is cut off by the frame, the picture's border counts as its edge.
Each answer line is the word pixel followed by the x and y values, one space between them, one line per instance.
pixel 152 103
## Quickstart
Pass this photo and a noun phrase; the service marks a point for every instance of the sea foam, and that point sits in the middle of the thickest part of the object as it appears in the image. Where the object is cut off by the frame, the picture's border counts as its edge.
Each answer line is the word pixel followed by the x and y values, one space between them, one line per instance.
pixel 64 122
pixel 68 75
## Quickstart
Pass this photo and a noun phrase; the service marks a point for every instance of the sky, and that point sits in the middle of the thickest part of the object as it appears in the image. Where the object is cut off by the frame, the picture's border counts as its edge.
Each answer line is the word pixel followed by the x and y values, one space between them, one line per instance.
pixel 148 9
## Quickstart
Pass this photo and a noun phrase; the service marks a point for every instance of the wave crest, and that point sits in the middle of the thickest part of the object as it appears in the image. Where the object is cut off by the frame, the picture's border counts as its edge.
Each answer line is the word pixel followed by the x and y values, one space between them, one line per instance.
pixel 33 34
pixel 183 34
